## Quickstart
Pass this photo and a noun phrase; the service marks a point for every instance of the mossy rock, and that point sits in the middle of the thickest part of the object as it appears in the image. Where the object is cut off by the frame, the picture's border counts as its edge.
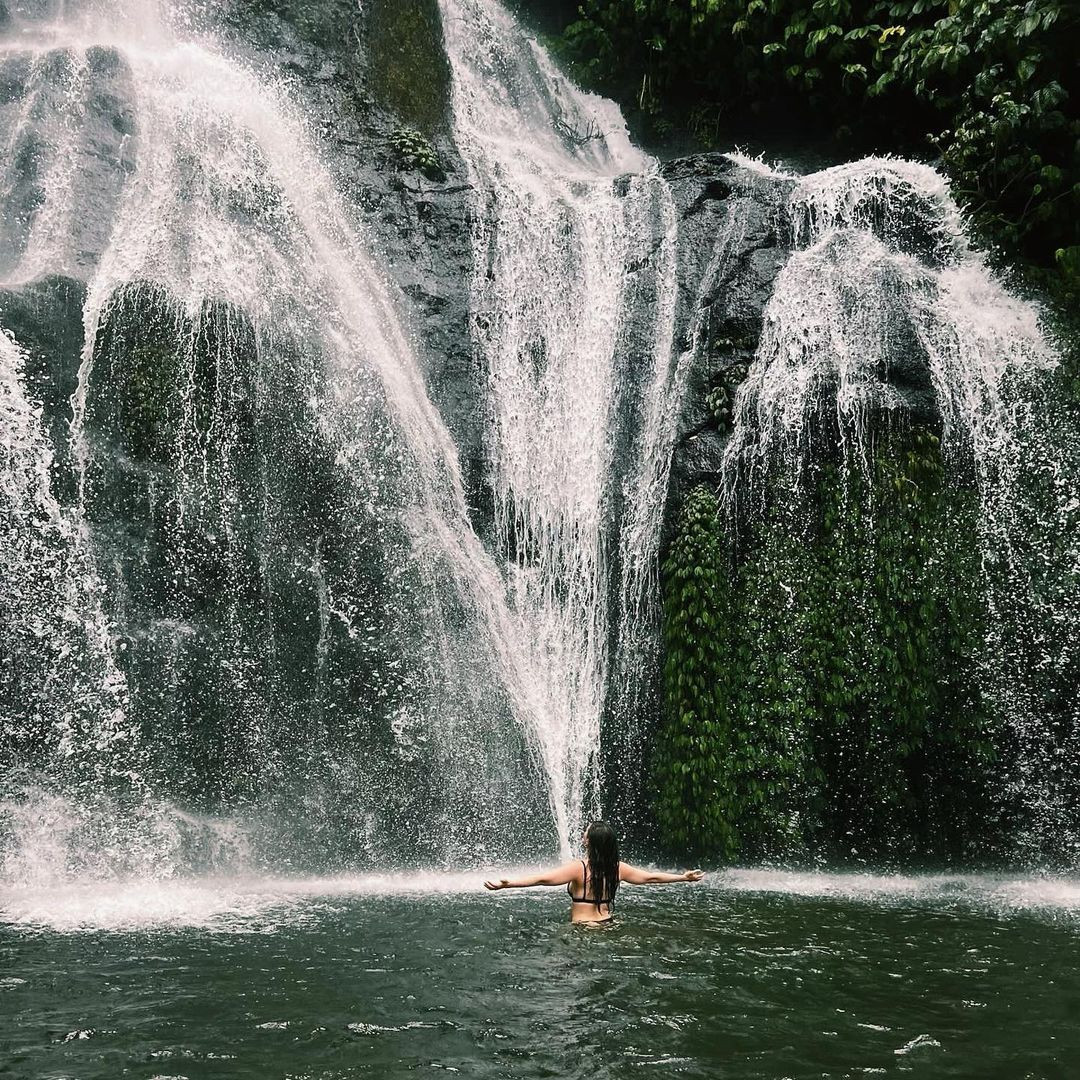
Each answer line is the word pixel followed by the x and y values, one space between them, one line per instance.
pixel 132 396
pixel 409 73
pixel 148 410
pixel 154 372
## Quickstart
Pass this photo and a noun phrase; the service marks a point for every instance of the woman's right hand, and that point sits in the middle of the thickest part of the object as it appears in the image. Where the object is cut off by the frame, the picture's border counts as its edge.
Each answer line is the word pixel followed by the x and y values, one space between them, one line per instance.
pixel 693 875
pixel 494 886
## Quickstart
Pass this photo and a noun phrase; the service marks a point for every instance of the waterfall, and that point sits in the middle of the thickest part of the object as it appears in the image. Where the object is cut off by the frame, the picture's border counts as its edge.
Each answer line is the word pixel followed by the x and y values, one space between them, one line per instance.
pixel 249 612
pixel 54 633
pixel 563 237
pixel 883 303
pixel 271 502
pixel 294 605
pixel 63 696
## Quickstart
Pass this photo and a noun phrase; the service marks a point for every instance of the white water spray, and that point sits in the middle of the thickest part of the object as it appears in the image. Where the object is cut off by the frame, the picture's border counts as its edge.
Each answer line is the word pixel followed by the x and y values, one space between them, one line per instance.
pixel 558 240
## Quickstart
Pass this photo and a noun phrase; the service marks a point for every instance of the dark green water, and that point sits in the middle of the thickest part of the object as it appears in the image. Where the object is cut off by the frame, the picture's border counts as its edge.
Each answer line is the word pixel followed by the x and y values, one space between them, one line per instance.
pixel 753 975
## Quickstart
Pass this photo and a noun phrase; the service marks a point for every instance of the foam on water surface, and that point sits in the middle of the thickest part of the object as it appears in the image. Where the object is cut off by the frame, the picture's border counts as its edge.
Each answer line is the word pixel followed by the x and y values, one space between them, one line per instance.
pixel 1001 893
pixel 212 903
pixel 247 904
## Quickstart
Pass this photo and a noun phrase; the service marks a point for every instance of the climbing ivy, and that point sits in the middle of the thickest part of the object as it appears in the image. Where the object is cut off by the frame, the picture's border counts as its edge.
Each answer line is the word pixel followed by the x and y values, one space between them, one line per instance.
pixel 723 778
pixel 821 679
pixel 720 398
pixel 891 618
pixel 695 804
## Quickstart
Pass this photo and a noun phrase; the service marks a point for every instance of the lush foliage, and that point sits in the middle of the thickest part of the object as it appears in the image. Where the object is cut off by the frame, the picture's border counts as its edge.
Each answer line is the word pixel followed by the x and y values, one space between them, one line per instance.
pixel 691 751
pixel 697 801
pixel 821 684
pixel 413 151
pixel 988 86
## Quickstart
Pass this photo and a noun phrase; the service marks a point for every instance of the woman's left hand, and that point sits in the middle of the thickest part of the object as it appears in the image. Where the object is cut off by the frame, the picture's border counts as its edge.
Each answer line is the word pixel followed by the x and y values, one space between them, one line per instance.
pixel 494 886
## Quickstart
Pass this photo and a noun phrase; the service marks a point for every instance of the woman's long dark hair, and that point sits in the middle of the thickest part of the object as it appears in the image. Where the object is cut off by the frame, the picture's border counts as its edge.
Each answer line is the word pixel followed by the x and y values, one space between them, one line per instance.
pixel 602 853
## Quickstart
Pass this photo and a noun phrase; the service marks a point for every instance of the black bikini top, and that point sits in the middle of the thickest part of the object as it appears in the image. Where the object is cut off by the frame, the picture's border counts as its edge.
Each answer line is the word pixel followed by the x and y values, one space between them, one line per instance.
pixel 583 899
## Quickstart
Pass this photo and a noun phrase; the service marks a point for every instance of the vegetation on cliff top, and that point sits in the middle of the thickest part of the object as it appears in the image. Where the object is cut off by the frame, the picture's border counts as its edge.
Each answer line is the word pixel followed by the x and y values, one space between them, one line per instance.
pixel 987 88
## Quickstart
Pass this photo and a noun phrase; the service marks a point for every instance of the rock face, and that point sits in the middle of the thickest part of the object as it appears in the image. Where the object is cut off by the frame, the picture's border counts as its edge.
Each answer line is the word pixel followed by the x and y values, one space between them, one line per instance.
pixel 376 79
pixel 730 251
pixel 102 143
pixel 736 236
pixel 733 237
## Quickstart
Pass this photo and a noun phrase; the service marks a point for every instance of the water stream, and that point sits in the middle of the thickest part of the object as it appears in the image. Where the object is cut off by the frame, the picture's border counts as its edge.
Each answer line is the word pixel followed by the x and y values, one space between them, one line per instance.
pixel 242 358
pixel 567 217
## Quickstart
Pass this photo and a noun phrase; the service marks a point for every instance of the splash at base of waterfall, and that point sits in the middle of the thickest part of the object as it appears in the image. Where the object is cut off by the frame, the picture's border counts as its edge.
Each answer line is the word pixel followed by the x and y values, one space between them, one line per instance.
pixel 256 541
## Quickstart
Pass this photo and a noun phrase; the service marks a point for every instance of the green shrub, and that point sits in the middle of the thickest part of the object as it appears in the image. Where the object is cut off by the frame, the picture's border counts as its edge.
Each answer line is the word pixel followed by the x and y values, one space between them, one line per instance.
pixel 821 682
pixel 413 151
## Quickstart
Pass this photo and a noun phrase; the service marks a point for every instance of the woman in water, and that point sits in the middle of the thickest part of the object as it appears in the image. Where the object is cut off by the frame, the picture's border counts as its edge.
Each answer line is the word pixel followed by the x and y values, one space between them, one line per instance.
pixel 593 881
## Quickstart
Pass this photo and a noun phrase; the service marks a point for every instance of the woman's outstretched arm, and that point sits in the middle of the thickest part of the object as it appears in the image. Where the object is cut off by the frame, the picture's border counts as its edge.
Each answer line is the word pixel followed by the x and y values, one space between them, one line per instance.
pixel 558 875
pixel 634 875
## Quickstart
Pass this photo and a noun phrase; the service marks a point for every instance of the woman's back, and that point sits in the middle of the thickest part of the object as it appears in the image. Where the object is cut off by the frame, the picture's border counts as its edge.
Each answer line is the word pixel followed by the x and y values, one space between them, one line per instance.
pixel 593 881
pixel 585 904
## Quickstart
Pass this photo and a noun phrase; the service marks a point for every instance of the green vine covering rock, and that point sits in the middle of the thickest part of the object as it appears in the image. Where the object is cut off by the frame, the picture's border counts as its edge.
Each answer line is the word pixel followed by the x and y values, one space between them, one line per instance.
pixel 720 399
pixel 822 671
pixel 695 802
pixel 724 780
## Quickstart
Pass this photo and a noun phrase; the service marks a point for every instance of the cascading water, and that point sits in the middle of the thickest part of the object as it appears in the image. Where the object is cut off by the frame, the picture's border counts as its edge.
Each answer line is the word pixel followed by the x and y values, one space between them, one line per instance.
pixel 60 672
pixel 572 339
pixel 241 576
pixel 293 603
pixel 271 502
pixel 882 281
